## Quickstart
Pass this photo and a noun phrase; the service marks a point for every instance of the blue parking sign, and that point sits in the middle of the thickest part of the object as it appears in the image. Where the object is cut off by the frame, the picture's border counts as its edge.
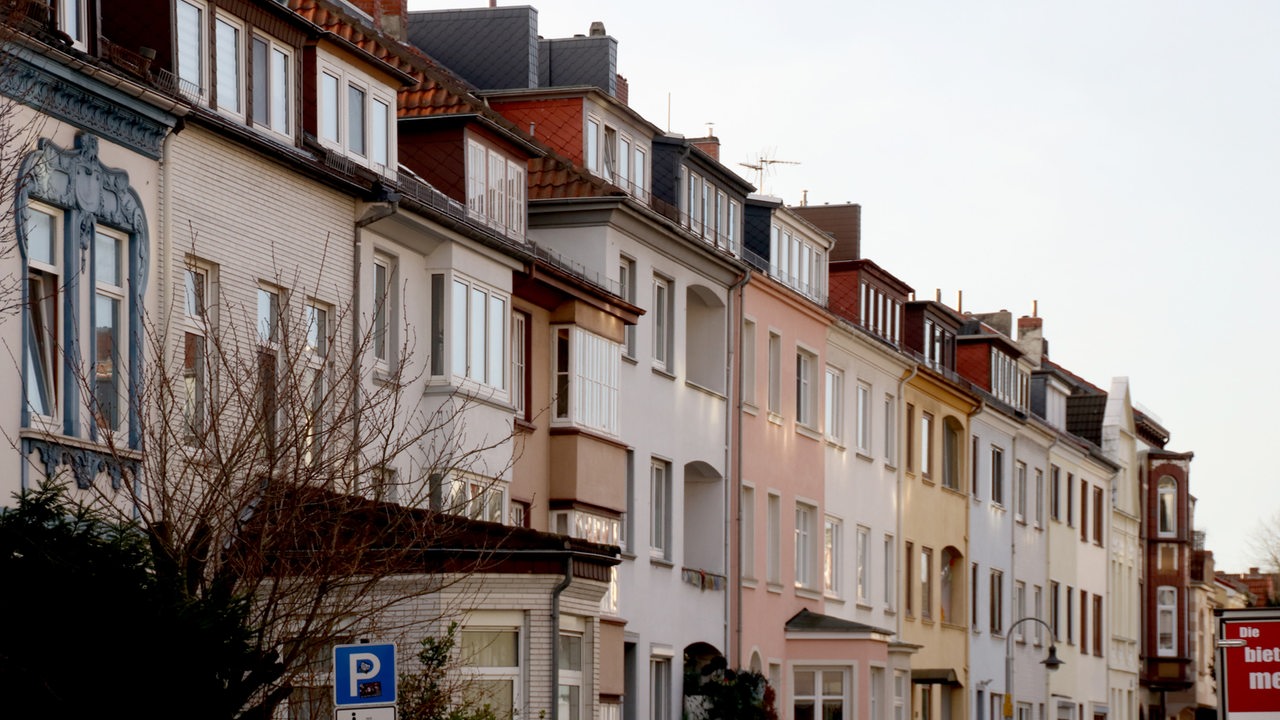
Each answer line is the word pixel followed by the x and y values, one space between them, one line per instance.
pixel 364 675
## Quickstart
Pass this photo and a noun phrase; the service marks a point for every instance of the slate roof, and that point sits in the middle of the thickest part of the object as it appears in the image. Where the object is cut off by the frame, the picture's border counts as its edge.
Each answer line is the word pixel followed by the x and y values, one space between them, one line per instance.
pixel 1084 416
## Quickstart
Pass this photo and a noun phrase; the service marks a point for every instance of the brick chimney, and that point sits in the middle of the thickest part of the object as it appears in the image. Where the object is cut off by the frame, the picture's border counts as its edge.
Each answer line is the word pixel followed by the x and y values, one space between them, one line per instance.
pixel 390 16
pixel 622 91
pixel 709 145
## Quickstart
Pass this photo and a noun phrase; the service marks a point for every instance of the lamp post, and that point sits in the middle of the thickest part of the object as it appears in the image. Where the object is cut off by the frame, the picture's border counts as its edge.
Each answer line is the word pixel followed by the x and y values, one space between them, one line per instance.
pixel 1052 662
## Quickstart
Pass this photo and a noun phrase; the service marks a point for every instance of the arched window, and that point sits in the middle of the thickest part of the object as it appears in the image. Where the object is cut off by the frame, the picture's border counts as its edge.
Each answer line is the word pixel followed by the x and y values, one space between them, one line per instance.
pixel 1166 506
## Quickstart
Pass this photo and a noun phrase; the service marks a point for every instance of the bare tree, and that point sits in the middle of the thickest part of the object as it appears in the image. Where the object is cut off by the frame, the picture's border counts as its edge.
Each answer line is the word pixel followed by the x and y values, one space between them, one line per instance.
pixel 273 465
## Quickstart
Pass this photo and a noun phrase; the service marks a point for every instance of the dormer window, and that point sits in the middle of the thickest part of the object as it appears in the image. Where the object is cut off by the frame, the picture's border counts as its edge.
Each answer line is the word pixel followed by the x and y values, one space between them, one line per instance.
pixel 1008 382
pixel 495 189
pixel 254 72
pixel 272 63
pixel 355 116
pixel 938 342
pixel 880 313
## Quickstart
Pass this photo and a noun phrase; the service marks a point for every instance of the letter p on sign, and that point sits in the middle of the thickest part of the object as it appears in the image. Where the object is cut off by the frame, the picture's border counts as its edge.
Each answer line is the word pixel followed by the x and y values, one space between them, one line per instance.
pixel 364 666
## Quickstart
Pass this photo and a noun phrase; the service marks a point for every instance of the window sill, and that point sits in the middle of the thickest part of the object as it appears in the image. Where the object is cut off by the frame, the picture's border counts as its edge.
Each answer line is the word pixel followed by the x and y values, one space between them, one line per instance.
pixel 749 583
pixel 774 587
pixel 864 457
pixel 864 605
pixel 888 465
pixel 704 389
pixel 1020 520
pixel 662 372
pixel 808 432
pixel 833 598
pixel 750 409
pixel 955 491
pixel 630 359
pixel 775 418
pixel 661 562
pixel 808 593
pixel 522 425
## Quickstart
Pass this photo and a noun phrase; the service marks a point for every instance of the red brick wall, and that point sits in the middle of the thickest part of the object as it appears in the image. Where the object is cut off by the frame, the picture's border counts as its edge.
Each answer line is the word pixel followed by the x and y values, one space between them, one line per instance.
pixel 973 362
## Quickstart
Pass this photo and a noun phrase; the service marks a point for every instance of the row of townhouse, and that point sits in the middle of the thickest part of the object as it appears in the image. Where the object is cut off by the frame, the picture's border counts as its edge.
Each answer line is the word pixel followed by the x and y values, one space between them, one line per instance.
pixel 763 446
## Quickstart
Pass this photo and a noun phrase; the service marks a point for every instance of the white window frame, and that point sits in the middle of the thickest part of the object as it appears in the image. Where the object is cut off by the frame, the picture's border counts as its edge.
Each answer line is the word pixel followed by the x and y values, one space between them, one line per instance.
pixel 72 20
pixel 818 697
pixel 496 188
pixel 834 405
pixel 660 515
pixel 997 475
pixel 806 387
pixel 587 389
pixel 889 571
pixel 1167 506
pixel 805 542
pixel 862 563
pixel 197 318
pixel 278 120
pixel 749 374
pixel 1020 492
pixel 1166 621
pixel 773 540
pixel 477 674
pixel 237 107
pixel 340 139
pixel 570 676
pixel 832 556
pixel 44 333
pixel 864 417
pixel 473 332
pixel 117 293
pixel 747 551
pixel 318 323
pixel 386 311
pixel 660 692
pixel 627 291
pixel 591 148
pixel 200 54
pixel 520 363
pixel 995 602
pixel 663 319
pixel 775 373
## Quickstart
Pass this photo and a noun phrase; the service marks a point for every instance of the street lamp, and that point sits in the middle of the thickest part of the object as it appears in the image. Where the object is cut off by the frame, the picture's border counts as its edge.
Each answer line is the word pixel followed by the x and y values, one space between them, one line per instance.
pixel 1052 662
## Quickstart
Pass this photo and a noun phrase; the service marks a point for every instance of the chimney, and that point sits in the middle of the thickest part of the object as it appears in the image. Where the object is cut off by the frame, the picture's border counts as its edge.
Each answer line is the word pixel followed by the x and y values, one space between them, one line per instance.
pixel 1031 338
pixel 597 29
pixel 389 16
pixel 709 145
pixel 622 91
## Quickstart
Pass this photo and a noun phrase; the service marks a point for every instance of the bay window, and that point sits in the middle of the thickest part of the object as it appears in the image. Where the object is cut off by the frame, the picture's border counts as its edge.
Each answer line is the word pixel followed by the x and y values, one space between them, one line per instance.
pixel 478 333
pixel 587 369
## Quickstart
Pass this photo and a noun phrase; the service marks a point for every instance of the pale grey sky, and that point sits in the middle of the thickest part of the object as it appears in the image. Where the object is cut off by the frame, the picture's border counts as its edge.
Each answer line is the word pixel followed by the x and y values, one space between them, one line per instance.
pixel 1114 161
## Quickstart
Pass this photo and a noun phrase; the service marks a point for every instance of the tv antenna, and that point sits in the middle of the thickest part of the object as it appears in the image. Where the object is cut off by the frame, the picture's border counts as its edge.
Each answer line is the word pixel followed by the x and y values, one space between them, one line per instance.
pixel 763 167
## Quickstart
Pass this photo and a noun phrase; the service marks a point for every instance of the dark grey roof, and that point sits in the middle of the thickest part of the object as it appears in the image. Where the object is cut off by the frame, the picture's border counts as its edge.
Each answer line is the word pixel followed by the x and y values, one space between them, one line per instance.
pixel 806 621
pixel 1084 416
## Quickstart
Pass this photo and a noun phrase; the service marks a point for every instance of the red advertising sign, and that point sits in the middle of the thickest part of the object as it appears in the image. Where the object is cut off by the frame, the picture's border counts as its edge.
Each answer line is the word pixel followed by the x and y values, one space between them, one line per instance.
pixel 1251 667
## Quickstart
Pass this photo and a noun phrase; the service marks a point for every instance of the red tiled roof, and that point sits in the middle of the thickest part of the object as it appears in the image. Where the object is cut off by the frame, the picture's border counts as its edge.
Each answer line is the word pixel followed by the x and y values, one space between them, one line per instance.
pixel 436 92
pixel 553 177
pixel 440 93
